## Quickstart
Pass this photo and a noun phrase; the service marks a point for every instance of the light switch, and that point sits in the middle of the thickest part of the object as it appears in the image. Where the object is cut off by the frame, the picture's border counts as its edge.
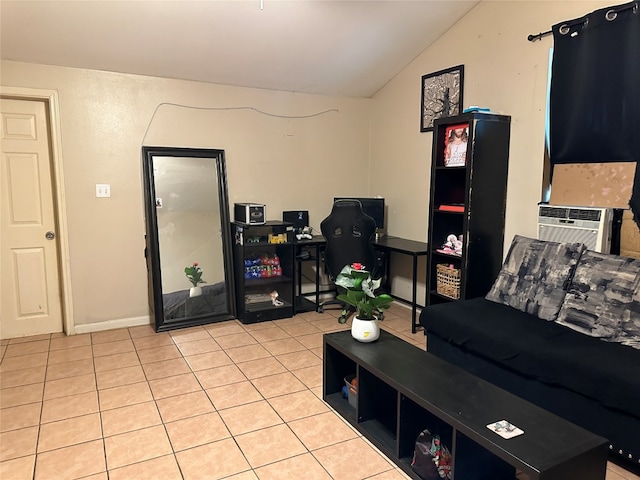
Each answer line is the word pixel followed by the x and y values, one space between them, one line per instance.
pixel 103 190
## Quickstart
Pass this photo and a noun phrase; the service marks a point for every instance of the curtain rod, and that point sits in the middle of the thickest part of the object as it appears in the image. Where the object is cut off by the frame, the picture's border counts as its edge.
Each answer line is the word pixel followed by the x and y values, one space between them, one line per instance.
pixel 611 15
pixel 538 36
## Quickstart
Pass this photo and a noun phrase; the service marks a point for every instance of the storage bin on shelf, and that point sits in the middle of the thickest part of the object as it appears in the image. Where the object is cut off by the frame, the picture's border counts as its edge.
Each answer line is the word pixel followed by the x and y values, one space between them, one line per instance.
pixel 351 385
pixel 448 281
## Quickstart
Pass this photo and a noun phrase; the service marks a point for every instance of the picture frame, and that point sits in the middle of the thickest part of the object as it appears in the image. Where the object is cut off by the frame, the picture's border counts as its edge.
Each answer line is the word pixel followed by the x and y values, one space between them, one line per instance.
pixel 456 137
pixel 442 95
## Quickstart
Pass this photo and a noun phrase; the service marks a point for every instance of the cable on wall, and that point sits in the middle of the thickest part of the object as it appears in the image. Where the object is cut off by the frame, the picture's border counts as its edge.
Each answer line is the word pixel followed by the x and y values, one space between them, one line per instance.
pixel 192 107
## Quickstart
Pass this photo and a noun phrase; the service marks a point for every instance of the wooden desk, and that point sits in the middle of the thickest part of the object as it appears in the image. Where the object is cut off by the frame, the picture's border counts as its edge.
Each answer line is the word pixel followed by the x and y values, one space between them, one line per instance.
pixel 387 244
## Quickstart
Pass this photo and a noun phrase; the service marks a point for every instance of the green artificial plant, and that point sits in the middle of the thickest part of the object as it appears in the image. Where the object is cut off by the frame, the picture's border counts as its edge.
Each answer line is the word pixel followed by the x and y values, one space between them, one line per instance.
pixel 360 294
pixel 194 274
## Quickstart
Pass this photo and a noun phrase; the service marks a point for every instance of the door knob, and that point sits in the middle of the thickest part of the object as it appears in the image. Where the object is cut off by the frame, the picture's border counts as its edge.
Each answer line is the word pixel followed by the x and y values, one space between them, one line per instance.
pixel 49 235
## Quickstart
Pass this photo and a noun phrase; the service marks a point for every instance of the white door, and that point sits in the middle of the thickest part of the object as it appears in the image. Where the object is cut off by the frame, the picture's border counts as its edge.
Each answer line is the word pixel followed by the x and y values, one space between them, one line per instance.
pixel 30 296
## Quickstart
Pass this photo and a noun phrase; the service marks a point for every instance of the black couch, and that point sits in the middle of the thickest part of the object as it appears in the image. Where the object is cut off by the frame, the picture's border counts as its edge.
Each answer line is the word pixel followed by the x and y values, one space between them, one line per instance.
pixel 560 328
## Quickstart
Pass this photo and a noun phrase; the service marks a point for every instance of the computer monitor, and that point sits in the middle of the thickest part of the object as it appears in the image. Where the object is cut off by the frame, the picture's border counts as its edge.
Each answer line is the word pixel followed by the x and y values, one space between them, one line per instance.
pixel 374 207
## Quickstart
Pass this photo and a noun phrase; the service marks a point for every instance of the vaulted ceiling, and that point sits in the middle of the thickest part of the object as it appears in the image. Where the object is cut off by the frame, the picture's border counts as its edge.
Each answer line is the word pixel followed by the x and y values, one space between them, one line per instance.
pixel 339 48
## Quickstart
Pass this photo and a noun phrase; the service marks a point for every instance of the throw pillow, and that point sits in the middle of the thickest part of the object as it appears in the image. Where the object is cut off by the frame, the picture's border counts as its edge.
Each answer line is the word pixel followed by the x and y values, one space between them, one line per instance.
pixel 535 276
pixel 603 299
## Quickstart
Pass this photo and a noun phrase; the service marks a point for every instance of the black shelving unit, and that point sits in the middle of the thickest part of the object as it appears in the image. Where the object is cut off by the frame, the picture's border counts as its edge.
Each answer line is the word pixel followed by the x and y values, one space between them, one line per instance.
pixel 402 390
pixel 263 263
pixel 468 199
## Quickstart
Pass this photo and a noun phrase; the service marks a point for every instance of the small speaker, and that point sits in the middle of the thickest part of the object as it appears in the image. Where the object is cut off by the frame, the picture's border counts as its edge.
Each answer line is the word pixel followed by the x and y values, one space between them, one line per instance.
pixel 299 218
pixel 249 213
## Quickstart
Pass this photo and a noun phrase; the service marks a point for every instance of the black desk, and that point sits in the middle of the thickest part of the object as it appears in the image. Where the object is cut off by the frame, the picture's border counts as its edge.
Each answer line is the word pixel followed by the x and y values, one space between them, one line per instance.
pixel 385 244
pixel 406 247
pixel 315 245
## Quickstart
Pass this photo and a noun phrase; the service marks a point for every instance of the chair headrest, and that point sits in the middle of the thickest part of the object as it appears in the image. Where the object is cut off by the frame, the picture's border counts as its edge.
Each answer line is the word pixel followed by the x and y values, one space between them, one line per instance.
pixel 346 203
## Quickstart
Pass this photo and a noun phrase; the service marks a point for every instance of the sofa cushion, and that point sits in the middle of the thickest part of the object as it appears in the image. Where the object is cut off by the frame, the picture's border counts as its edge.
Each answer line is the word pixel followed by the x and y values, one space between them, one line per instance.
pixel 603 299
pixel 535 275
pixel 545 351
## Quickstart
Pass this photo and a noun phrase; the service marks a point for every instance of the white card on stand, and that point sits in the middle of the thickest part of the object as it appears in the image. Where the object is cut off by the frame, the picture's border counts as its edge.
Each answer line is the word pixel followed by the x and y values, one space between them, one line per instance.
pixel 505 429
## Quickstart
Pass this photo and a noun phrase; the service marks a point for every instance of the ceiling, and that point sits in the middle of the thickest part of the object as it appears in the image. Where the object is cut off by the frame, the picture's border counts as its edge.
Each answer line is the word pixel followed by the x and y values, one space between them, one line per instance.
pixel 338 48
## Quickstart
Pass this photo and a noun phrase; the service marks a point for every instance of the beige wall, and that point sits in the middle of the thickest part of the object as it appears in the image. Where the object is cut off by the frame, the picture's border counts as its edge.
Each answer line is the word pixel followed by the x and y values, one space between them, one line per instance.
pixel 364 147
pixel 284 162
pixel 503 71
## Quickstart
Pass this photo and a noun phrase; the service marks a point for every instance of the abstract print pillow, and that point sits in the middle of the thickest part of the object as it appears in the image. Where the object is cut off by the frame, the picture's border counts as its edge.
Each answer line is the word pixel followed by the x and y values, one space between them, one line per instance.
pixel 535 276
pixel 603 299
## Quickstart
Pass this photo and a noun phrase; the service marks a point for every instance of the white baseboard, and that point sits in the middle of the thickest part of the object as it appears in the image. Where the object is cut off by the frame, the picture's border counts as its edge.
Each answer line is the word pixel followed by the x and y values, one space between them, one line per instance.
pixel 112 324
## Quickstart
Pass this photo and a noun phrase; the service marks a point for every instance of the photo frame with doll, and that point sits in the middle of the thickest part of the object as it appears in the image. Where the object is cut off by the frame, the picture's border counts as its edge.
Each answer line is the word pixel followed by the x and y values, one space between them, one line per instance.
pixel 456 138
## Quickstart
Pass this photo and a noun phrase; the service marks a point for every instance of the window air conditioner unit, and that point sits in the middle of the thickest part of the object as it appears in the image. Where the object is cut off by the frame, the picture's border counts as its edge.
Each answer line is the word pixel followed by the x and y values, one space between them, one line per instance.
pixel 588 225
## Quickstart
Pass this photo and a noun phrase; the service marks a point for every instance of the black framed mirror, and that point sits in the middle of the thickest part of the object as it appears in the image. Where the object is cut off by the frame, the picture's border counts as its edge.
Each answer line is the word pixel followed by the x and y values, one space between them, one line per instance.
pixel 189 257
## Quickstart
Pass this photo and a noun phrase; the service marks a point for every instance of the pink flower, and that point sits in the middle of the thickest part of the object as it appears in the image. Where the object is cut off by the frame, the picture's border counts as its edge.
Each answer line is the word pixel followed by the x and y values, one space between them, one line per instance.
pixel 357 266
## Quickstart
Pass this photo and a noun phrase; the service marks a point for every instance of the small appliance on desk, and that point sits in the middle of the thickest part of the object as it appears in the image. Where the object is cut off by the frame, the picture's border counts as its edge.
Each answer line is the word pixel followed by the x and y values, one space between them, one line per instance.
pixel 300 221
pixel 249 213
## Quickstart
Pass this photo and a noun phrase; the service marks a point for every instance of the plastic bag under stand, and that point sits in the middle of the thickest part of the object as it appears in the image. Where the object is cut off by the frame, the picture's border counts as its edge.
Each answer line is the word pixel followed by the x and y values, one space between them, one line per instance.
pixel 431 459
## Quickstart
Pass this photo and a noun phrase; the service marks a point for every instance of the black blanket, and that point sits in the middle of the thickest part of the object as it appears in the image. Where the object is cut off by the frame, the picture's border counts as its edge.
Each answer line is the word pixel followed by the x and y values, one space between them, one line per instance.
pixel 543 350
pixel 212 301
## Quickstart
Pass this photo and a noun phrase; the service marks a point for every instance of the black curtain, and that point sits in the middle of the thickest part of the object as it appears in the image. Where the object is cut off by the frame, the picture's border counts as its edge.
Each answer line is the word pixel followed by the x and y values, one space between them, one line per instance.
pixel 595 90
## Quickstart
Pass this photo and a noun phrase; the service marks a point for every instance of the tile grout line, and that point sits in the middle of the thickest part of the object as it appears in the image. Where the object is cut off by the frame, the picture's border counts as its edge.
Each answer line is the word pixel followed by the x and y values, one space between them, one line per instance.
pixel 44 385
pixel 95 375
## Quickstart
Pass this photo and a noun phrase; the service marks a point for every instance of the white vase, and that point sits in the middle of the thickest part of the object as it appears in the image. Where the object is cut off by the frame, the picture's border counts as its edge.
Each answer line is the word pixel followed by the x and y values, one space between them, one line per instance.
pixel 195 291
pixel 365 330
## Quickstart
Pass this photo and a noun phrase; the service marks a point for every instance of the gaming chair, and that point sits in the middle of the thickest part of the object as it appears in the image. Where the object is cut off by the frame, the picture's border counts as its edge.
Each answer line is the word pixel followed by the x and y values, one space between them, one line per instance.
pixel 349 233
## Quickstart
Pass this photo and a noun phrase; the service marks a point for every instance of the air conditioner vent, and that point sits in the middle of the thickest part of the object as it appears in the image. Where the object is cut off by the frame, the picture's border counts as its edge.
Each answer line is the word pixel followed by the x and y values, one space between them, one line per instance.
pixel 553 212
pixel 582 214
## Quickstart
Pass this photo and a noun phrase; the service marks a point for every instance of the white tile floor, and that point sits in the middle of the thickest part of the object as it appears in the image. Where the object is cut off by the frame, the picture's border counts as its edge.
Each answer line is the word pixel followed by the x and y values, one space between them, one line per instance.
pixel 222 401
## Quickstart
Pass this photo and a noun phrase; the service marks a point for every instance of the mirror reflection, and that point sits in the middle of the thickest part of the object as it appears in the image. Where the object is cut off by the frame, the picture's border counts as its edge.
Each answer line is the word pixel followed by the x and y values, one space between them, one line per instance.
pixel 190 270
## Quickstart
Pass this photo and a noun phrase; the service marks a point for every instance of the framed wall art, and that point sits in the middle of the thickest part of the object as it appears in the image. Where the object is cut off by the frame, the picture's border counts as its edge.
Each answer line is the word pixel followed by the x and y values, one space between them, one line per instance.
pixel 441 95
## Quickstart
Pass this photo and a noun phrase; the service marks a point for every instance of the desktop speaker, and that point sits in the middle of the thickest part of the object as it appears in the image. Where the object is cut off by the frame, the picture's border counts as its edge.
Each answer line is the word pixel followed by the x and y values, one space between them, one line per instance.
pixel 299 218
pixel 249 213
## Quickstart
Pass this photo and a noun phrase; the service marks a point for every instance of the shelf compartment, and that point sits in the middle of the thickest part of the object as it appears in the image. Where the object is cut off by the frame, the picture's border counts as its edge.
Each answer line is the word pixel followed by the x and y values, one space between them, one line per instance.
pixel 262 244
pixel 446 258
pixel 443 227
pixel 450 186
pixel 448 281
pixel 256 282
pixel 264 306
pixel 342 406
pixel 436 298
pixel 336 367
pixel 433 274
pixel 377 406
pixel 378 433
pixel 413 420
pixel 473 462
